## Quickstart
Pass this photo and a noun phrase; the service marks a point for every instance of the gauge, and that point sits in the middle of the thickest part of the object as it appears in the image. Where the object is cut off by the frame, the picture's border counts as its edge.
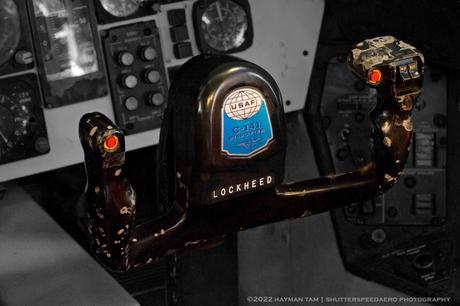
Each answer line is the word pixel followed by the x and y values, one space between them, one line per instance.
pixel 223 26
pixel 121 8
pixel 22 124
pixel 14 121
pixel 10 30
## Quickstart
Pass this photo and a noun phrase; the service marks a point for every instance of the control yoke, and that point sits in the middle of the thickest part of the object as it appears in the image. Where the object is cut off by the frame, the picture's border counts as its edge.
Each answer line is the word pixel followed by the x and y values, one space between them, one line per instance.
pixel 222 152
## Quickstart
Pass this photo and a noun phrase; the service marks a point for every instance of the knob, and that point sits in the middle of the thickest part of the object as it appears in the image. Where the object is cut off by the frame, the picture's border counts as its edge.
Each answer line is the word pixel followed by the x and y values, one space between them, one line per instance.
pixel 42 145
pixel 156 99
pixel 129 81
pixel 24 57
pixel 131 103
pixel 148 53
pixel 423 261
pixel 152 76
pixel 125 58
pixel 378 235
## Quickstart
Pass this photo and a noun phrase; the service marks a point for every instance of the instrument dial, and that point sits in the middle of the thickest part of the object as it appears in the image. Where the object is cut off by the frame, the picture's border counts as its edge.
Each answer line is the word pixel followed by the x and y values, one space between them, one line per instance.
pixel 14 120
pixel 121 8
pixel 224 24
pixel 10 30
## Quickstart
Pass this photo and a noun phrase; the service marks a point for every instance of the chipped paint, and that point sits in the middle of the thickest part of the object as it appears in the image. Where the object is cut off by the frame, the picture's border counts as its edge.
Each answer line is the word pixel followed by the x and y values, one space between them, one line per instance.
pixel 407 124
pixel 192 243
pixel 93 131
pixel 407 104
pixel 389 178
pixel 387 141
pixel 125 210
pixel 306 213
pixel 374 52
pixel 386 126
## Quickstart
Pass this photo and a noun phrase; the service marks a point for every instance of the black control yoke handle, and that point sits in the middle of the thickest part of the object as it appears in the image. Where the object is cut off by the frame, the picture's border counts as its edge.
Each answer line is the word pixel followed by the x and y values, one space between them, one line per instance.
pixel 222 152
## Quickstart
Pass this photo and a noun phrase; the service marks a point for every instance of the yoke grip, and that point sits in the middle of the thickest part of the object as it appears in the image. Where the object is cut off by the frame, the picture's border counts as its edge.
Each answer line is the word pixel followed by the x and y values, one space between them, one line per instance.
pixel 395 70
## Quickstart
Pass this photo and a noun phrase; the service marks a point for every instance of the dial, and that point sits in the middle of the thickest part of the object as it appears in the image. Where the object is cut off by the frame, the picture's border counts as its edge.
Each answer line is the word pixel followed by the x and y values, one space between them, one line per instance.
pixel 224 24
pixel 121 8
pixel 14 120
pixel 10 30
pixel 22 124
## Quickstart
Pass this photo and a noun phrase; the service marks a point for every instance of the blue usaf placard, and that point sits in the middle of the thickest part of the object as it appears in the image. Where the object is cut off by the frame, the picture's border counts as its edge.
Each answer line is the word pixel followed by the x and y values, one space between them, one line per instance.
pixel 246 125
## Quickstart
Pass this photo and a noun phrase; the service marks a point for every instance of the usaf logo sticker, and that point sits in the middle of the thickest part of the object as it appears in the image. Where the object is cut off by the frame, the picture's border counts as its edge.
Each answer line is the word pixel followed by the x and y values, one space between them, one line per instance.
pixel 246 125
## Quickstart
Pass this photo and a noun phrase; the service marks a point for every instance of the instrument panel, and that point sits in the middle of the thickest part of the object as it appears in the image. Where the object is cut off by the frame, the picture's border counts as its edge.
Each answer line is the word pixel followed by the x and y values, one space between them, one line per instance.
pixel 118 57
pixel 137 75
pixel 406 238
pixel 22 126
pixel 15 40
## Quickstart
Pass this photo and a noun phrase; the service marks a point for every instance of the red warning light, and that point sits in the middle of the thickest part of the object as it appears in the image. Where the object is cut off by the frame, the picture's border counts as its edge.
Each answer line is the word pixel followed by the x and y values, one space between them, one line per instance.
pixel 111 143
pixel 375 76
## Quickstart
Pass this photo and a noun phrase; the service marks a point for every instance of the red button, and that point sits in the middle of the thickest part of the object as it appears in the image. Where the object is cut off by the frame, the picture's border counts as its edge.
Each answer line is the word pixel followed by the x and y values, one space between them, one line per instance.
pixel 111 143
pixel 375 76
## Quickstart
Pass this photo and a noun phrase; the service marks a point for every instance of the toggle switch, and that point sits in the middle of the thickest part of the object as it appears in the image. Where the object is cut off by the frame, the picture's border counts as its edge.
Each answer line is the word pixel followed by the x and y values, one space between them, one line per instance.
pixel 24 57
pixel 424 204
pixel 413 70
pixel 404 73
pixel 424 150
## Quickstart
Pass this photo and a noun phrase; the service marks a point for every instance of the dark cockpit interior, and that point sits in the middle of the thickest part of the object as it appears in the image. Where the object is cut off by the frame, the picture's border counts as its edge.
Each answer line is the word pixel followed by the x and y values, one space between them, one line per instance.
pixel 229 152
